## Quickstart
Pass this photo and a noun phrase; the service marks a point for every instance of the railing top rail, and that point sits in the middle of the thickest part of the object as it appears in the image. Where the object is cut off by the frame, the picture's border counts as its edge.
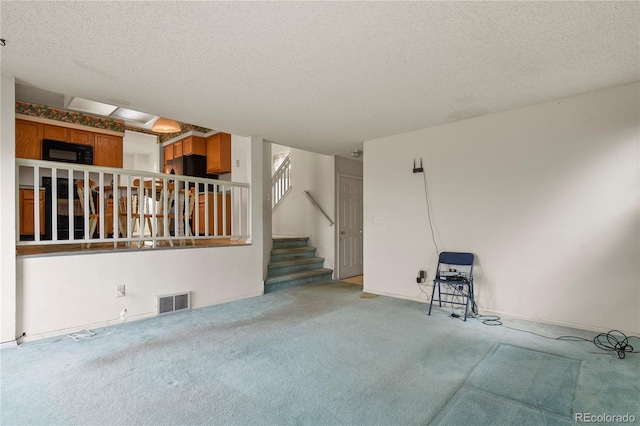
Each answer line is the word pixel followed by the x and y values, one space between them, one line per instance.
pixel 285 163
pixel 119 171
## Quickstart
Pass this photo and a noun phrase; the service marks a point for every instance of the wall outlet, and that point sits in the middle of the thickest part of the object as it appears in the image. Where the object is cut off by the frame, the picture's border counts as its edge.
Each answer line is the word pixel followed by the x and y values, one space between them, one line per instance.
pixel 120 290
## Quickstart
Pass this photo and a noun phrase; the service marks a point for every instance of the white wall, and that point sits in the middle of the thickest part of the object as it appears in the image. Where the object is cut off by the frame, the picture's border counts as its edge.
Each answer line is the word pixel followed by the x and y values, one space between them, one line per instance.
pixel 547 197
pixel 63 293
pixel 141 152
pixel 7 213
pixel 296 215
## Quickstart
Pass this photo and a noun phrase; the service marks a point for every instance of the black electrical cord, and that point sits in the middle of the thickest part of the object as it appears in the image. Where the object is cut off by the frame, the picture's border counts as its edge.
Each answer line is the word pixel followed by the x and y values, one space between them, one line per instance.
pixel 426 196
pixel 619 344
pixel 605 341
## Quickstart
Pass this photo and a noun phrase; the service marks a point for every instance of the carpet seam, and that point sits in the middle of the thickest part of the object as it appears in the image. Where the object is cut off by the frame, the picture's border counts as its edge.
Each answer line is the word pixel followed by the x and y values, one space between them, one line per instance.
pixel 455 392
pixel 534 408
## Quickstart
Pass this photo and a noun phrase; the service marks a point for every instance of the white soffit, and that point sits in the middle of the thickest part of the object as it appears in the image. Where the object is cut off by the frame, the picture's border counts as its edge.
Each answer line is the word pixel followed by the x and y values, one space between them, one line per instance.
pixel 131 115
pixel 91 107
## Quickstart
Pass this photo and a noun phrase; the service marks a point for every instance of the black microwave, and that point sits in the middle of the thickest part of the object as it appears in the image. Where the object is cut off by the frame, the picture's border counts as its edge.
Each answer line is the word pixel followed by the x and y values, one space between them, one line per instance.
pixel 67 152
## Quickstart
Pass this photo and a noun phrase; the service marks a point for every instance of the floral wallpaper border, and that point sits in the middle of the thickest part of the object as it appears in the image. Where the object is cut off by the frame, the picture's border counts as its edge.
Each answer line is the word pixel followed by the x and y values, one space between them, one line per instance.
pixel 73 117
pixel 42 111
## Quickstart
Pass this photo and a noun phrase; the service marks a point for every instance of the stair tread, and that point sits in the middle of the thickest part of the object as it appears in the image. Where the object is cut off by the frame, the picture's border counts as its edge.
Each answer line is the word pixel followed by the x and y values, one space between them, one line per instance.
pixel 295 262
pixel 289 238
pixel 292 250
pixel 297 275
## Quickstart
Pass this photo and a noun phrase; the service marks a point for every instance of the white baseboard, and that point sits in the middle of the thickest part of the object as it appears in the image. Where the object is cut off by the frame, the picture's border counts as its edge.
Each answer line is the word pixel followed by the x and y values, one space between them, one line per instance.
pixel 568 324
pixel 507 315
pixel 9 344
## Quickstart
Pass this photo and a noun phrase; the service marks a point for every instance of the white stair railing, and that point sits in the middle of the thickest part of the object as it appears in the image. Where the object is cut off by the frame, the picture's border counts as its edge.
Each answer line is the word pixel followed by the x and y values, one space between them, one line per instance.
pixel 281 183
pixel 214 209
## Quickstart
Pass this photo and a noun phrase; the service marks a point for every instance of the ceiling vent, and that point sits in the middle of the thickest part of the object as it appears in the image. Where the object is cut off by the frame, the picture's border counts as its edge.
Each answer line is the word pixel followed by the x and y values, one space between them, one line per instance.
pixel 173 303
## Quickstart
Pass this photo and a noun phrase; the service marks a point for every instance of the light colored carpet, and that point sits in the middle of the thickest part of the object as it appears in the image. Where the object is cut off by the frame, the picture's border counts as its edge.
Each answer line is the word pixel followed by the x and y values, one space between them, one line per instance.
pixel 516 384
pixel 314 355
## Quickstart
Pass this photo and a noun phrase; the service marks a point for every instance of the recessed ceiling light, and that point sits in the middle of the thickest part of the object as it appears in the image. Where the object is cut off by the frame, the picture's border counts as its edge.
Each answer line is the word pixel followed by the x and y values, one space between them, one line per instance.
pixel 132 115
pixel 91 107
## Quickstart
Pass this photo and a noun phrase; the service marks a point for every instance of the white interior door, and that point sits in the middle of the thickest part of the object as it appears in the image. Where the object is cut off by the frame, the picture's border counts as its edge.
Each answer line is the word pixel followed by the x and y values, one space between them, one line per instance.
pixel 350 227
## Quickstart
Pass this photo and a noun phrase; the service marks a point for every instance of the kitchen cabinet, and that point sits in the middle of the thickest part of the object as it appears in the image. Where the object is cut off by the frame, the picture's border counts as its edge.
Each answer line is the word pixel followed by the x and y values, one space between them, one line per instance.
pixel 29 139
pixel 108 217
pixel 177 149
pixel 56 133
pixel 65 134
pixel 219 153
pixel 191 145
pixel 27 211
pixel 107 151
pixel 201 214
pixel 194 145
pixel 168 153
pixel 81 137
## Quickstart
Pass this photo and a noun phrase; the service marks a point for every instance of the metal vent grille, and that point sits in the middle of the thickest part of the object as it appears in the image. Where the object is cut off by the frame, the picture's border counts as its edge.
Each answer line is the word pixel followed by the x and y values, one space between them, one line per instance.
pixel 173 302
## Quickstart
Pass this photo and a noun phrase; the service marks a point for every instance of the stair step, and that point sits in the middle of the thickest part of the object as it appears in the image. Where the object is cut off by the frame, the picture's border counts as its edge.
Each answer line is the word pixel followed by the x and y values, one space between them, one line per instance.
pixel 292 253
pixel 296 279
pixel 289 242
pixel 288 266
pixel 298 275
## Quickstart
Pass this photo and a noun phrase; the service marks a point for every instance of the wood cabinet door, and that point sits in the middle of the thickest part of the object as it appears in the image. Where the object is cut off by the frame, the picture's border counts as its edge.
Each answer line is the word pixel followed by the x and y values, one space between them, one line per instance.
pixel 56 133
pixel 107 151
pixel 187 145
pixel 27 212
pixel 219 153
pixel 201 214
pixel 168 153
pixel 28 139
pixel 81 137
pixel 194 145
pixel 108 217
pixel 177 149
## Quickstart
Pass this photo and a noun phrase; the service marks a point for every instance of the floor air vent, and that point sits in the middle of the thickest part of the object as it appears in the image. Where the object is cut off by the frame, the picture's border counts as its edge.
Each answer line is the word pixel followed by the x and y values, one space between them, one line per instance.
pixel 173 302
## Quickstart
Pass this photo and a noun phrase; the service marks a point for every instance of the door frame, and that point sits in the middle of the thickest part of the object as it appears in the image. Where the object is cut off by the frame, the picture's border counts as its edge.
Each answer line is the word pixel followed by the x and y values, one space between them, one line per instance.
pixel 337 216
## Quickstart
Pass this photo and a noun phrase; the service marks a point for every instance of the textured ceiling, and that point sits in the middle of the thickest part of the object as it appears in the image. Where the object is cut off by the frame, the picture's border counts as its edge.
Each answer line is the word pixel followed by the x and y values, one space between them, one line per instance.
pixel 321 76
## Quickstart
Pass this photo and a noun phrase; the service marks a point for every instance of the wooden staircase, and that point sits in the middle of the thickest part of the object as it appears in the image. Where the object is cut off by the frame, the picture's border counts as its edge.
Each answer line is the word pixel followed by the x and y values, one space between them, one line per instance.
pixel 294 263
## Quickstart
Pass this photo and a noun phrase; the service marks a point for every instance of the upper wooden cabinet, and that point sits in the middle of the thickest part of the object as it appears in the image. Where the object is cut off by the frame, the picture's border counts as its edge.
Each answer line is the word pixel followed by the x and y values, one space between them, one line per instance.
pixel 177 149
pixel 56 133
pixel 219 153
pixel 194 145
pixel 29 139
pixel 82 137
pixel 107 151
pixel 168 153
pixel 191 145
pixel 65 134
